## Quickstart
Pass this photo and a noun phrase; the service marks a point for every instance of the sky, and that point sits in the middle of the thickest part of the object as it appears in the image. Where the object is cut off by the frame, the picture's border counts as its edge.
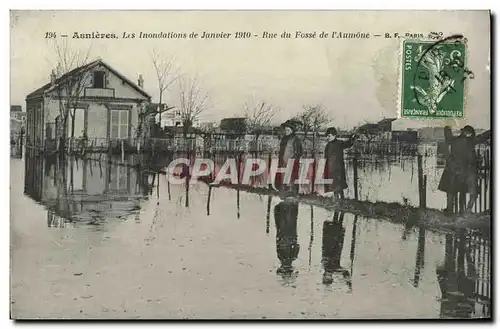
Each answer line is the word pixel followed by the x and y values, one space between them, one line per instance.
pixel 355 80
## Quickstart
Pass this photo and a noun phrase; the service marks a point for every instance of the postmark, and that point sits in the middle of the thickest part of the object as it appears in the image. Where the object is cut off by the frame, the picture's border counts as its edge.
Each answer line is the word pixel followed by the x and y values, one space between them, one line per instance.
pixel 434 76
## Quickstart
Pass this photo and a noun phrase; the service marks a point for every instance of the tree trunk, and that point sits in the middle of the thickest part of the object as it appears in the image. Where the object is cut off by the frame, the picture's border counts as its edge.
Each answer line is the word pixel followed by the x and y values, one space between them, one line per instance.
pixel 63 134
pixel 159 108
pixel 71 144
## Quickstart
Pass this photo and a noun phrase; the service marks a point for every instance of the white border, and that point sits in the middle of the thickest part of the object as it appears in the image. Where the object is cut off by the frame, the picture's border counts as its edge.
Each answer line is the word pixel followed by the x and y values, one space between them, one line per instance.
pixel 199 4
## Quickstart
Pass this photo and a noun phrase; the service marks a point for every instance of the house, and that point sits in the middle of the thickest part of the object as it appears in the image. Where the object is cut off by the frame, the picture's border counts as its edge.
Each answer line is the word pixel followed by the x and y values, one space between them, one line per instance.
pixel 173 118
pixel 106 106
pixel 17 120
pixel 380 131
pixel 17 113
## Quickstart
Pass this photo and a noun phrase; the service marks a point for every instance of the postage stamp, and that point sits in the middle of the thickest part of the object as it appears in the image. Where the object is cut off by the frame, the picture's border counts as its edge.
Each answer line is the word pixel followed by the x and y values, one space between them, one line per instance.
pixel 434 76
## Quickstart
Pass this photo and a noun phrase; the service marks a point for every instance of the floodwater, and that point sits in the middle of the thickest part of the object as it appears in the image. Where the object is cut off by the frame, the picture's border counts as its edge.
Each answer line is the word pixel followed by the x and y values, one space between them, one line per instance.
pixel 91 239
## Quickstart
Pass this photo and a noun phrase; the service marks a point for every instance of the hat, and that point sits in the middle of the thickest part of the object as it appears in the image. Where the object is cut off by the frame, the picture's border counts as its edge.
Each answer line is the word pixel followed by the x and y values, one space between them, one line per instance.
pixel 290 124
pixel 469 129
pixel 331 131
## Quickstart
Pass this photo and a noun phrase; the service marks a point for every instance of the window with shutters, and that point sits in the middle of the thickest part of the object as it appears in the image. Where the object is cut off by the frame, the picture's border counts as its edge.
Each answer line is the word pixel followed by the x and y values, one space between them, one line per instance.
pixel 119 123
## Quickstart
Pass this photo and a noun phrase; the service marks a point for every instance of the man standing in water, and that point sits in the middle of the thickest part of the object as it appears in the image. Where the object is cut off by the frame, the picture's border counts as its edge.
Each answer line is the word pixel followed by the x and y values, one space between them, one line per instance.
pixel 290 149
pixel 461 171
pixel 335 166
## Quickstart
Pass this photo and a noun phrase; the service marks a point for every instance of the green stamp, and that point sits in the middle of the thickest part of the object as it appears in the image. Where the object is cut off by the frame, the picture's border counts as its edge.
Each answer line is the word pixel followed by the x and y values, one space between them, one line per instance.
pixel 433 78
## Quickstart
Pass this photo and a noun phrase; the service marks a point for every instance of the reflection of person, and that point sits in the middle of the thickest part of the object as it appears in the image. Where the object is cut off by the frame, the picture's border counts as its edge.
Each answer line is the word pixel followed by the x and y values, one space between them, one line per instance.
pixel 457 300
pixel 290 149
pixel 461 171
pixel 335 166
pixel 333 243
pixel 287 247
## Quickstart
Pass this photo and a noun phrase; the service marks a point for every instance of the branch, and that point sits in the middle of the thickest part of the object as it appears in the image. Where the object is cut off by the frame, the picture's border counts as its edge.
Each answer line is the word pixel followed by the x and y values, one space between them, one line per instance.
pixel 166 70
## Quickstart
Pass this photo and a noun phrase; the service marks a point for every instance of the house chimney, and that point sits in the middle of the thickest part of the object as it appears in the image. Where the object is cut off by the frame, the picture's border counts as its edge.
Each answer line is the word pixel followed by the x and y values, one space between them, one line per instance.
pixel 140 81
pixel 58 70
pixel 53 77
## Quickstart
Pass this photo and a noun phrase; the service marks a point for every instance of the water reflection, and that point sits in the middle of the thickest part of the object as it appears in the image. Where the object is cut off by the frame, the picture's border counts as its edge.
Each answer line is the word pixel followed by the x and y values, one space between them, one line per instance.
pixel 464 276
pixel 85 191
pixel 287 247
pixel 379 269
pixel 419 259
pixel 333 243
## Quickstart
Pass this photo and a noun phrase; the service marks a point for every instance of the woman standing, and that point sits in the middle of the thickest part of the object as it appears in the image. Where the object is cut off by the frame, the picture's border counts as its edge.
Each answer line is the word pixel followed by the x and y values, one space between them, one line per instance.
pixel 290 149
pixel 335 166
pixel 461 171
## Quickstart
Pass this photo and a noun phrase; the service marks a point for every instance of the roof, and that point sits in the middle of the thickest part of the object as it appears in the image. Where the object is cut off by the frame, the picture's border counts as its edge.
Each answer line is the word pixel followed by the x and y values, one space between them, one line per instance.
pixel 16 108
pixel 48 87
pixel 386 120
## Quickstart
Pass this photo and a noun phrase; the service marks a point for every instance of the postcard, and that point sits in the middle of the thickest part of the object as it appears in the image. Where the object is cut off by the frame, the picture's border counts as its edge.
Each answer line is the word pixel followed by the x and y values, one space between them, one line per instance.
pixel 250 165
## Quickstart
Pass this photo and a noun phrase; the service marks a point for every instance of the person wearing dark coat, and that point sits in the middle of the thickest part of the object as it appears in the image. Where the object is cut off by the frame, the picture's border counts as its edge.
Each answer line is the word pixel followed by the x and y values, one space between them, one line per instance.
pixel 461 170
pixel 335 166
pixel 290 149
pixel 287 247
pixel 333 243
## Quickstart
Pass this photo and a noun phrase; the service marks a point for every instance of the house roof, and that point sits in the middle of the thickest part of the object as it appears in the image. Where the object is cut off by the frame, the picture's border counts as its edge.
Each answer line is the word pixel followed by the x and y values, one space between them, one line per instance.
pixel 16 108
pixel 386 120
pixel 48 87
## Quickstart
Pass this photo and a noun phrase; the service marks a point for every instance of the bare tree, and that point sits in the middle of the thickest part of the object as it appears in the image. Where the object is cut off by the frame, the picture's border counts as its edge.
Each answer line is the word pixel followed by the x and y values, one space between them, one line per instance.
pixel 312 119
pixel 70 80
pixel 167 73
pixel 208 130
pixel 146 116
pixel 193 101
pixel 258 115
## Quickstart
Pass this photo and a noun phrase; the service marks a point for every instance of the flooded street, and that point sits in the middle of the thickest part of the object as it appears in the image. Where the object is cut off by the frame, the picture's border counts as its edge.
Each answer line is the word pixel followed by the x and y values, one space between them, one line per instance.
pixel 107 241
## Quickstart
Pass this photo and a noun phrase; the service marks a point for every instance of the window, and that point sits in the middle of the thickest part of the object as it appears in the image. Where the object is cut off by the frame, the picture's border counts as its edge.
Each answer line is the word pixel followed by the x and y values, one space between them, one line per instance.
pixel 119 124
pixel 79 114
pixel 119 178
pixel 99 77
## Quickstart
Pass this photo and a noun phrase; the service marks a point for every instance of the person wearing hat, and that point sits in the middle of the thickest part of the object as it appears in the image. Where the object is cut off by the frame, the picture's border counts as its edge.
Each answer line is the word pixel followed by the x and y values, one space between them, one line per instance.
pixel 335 166
pixel 290 149
pixel 461 171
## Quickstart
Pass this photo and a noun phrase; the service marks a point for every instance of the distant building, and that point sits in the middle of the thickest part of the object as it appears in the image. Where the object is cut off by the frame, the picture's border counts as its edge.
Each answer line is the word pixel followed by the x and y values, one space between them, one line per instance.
pixel 173 118
pixel 407 136
pixel 236 126
pixel 431 134
pixel 107 107
pixel 17 121
pixel 17 113
pixel 380 131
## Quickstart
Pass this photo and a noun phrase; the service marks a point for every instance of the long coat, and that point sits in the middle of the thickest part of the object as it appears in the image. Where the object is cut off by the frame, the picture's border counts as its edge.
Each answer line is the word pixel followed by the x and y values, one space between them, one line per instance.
pixel 335 166
pixel 461 171
pixel 285 216
pixel 290 148
pixel 333 243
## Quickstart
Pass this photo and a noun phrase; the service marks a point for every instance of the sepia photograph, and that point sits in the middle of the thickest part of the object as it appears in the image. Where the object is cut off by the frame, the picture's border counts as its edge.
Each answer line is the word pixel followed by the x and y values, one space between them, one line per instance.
pixel 266 164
